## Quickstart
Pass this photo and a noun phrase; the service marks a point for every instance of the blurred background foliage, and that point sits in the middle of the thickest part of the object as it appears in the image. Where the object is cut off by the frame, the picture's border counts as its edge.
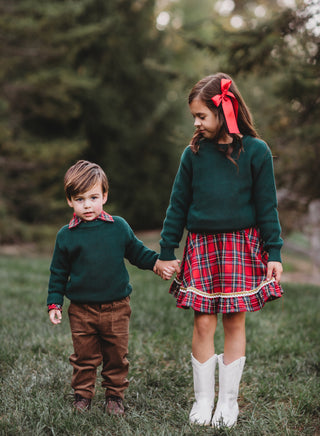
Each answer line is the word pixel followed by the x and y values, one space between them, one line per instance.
pixel 108 81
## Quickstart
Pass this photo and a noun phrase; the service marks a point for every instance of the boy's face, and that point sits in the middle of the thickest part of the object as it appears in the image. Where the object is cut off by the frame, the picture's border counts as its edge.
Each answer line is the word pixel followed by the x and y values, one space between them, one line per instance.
pixel 89 204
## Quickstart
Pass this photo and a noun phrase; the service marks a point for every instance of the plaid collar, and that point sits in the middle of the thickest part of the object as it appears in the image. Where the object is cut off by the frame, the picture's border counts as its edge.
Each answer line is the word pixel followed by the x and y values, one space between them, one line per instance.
pixel 104 216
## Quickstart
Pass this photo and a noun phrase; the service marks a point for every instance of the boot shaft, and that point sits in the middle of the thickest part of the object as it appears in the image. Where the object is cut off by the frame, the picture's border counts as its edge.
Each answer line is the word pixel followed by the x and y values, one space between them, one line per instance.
pixel 229 377
pixel 203 381
pixel 204 376
pixel 227 409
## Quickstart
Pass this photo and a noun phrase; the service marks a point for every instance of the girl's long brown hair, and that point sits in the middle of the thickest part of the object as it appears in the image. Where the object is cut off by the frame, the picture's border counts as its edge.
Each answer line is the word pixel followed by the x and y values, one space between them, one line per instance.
pixel 207 88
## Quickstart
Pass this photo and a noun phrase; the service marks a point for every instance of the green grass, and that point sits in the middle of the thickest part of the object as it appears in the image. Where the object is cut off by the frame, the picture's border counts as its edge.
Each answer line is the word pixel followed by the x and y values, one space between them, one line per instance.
pixel 279 393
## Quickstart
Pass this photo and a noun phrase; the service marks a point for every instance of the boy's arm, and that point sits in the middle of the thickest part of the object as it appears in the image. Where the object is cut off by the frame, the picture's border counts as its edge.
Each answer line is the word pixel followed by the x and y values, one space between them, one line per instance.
pixel 135 250
pixel 138 254
pixel 57 283
pixel 145 258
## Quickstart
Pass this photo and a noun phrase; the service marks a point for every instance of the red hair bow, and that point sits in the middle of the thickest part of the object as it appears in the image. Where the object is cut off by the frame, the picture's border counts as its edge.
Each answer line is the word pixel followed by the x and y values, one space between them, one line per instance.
pixel 229 105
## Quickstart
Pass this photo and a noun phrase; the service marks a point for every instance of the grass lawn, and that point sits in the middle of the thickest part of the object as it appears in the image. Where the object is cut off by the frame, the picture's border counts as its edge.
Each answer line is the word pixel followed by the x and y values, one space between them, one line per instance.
pixel 279 392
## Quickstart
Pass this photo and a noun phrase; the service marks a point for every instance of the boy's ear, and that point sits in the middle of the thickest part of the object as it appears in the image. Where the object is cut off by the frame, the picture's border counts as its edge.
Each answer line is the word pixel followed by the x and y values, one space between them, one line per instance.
pixel 69 202
pixel 105 198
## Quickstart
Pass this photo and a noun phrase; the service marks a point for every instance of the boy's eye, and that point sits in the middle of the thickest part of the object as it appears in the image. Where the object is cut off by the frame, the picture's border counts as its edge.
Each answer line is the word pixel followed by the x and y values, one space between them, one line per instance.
pixel 78 199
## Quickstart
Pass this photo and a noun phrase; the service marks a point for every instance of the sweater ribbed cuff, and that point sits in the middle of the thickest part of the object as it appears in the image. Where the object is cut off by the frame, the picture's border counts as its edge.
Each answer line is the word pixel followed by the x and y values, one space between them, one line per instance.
pixel 167 253
pixel 274 255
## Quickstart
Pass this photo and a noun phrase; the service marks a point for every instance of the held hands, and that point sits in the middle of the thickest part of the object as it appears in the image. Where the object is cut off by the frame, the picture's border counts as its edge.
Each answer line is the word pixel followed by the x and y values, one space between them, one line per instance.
pixel 274 270
pixel 166 268
pixel 55 316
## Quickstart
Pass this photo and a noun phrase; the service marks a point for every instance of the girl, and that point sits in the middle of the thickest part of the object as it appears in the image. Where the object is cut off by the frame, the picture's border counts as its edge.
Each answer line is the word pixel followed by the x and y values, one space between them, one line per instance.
pixel 224 194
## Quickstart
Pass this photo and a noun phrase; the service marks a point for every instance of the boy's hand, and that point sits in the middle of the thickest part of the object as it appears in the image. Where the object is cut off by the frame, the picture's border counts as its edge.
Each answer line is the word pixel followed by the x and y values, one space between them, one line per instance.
pixel 166 268
pixel 274 270
pixel 55 316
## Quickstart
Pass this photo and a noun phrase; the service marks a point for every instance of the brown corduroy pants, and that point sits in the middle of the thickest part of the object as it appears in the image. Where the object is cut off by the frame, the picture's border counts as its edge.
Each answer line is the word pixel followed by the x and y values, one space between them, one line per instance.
pixel 100 333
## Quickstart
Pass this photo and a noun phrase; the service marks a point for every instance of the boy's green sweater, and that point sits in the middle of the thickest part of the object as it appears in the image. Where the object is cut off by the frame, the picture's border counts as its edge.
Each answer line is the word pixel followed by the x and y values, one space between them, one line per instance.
pixel 211 194
pixel 88 262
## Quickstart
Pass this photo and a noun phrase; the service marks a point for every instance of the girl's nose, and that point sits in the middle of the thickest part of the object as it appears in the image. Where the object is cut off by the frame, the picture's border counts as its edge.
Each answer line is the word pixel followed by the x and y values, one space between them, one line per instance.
pixel 196 122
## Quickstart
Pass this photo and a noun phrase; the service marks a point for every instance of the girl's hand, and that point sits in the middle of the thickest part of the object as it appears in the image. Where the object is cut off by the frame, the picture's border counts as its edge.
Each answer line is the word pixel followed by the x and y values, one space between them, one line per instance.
pixel 55 316
pixel 166 268
pixel 274 270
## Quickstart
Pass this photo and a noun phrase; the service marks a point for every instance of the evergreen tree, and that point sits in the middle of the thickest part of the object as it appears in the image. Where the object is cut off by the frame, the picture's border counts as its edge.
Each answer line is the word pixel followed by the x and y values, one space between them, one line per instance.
pixel 83 80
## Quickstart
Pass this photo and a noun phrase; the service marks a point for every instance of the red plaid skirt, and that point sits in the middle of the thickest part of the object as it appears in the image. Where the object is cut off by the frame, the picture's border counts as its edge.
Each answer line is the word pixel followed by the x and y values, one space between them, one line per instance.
pixel 224 273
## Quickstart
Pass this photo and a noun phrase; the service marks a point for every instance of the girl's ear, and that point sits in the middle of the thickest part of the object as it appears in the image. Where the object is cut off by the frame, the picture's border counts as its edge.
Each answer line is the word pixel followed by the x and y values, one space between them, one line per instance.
pixel 105 198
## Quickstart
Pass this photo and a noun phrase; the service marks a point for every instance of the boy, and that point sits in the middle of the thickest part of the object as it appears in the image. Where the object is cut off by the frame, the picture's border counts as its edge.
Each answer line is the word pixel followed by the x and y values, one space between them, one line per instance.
pixel 88 267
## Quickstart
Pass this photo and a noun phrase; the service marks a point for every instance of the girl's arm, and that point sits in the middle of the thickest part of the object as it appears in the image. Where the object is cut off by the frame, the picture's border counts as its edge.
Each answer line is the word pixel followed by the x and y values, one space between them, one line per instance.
pixel 177 211
pixel 265 199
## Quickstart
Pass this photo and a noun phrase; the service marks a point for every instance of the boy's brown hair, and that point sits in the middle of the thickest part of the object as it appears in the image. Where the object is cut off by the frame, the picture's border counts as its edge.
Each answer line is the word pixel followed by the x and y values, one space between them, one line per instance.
pixel 82 176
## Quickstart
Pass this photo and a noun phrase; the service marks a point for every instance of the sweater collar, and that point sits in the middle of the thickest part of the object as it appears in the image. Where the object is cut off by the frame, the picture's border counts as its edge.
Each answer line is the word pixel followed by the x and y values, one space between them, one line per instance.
pixel 104 216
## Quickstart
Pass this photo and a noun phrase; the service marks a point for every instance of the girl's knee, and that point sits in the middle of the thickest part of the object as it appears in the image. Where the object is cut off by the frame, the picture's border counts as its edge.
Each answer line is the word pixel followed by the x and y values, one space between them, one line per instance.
pixel 205 324
pixel 234 321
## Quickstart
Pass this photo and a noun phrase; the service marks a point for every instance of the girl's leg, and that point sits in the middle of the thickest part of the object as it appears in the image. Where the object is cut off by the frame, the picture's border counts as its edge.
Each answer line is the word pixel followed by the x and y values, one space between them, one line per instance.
pixel 234 336
pixel 203 334
pixel 203 363
pixel 231 365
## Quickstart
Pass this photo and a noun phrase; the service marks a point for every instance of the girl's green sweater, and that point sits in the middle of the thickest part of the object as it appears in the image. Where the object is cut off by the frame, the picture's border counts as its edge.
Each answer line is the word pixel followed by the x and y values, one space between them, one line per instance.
pixel 88 263
pixel 210 194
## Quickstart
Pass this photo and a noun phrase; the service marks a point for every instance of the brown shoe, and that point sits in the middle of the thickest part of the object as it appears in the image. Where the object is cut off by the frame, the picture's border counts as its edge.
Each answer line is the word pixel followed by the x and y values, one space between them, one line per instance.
pixel 81 404
pixel 114 405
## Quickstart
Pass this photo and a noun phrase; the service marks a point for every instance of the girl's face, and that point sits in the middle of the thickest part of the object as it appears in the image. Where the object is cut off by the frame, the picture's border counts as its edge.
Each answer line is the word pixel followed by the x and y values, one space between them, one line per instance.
pixel 89 204
pixel 205 120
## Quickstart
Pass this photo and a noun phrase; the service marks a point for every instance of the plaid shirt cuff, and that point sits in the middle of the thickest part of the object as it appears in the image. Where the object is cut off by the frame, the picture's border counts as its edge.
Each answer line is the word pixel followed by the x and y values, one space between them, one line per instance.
pixel 54 307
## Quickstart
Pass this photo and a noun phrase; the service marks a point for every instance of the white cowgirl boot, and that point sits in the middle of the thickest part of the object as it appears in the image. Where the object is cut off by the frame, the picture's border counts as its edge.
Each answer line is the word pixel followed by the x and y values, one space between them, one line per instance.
pixel 227 409
pixel 203 381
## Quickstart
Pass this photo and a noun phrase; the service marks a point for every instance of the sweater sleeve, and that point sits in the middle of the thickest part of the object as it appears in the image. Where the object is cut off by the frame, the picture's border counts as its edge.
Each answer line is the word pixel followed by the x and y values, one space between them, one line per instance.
pixel 177 211
pixel 137 253
pixel 265 198
pixel 59 275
